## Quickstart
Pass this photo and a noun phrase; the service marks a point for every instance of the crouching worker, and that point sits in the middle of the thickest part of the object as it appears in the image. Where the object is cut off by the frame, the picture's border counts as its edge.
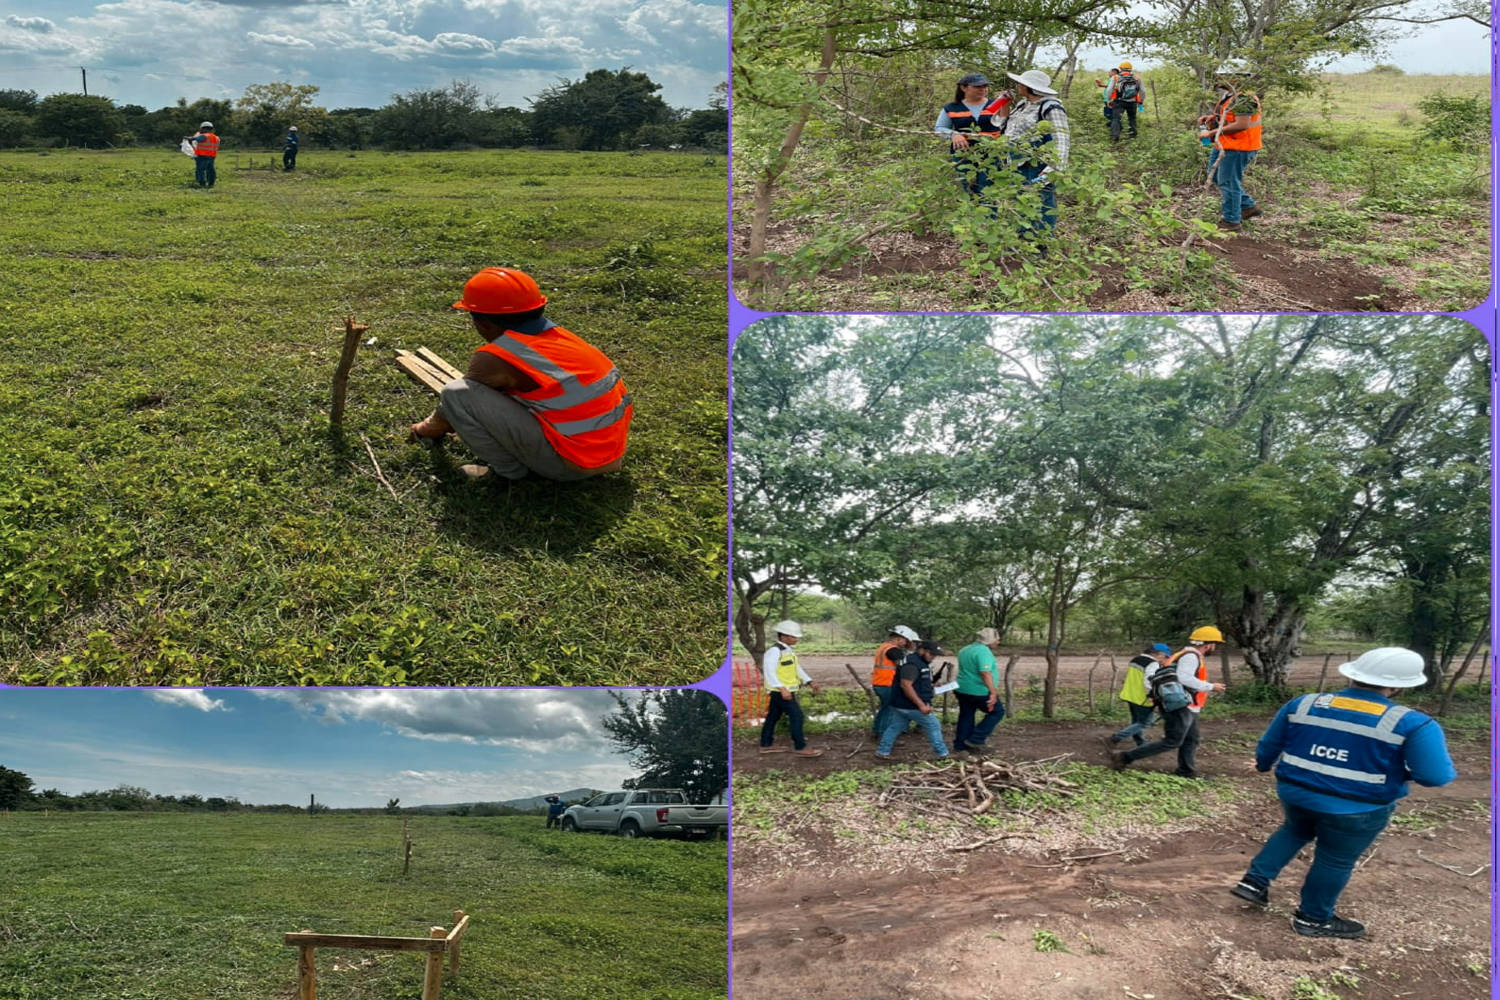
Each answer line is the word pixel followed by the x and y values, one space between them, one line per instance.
pixel 536 398
pixel 1342 761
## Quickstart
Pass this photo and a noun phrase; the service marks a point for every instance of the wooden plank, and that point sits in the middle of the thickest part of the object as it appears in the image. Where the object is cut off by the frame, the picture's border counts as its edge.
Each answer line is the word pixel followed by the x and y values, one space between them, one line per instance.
pixel 432 984
pixel 308 939
pixel 419 370
pixel 455 941
pixel 439 364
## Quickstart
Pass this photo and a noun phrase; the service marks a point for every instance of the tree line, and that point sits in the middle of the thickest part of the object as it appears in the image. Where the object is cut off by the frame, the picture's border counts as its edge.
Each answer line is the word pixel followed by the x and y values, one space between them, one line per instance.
pixel 953 472
pixel 604 110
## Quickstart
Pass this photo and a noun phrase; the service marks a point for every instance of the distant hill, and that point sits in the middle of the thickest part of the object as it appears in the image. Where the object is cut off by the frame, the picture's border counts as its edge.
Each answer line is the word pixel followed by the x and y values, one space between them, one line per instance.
pixel 534 802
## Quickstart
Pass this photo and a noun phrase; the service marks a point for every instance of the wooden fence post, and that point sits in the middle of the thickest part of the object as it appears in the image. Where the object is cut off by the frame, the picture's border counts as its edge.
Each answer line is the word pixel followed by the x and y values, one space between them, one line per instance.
pixel 352 330
pixel 307 972
pixel 455 946
pixel 433 984
pixel 1323 674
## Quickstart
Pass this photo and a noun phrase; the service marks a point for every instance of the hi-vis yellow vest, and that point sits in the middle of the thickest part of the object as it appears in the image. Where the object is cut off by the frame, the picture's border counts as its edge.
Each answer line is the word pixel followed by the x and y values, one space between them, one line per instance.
pixel 786 668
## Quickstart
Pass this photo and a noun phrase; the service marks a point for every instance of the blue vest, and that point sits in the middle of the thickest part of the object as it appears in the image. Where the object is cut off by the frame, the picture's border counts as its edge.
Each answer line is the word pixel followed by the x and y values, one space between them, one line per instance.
pixel 964 120
pixel 922 685
pixel 1348 746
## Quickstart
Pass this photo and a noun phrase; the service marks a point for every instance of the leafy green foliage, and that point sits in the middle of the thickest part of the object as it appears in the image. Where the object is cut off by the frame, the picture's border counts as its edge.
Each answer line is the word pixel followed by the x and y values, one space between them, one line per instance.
pixel 174 506
pixel 1463 122
pixel 676 739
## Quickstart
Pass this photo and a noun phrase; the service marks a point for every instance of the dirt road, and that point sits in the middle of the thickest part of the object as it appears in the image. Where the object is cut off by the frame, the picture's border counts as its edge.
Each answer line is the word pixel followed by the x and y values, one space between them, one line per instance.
pixel 824 917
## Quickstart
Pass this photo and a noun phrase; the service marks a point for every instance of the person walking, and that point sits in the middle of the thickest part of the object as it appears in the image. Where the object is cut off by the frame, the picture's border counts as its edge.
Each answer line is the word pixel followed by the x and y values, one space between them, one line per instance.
pixel 967 121
pixel 555 809
pixel 1109 86
pixel 783 677
pixel 901 640
pixel 536 399
pixel 1135 696
pixel 1179 688
pixel 289 150
pixel 1125 95
pixel 1234 131
pixel 1030 140
pixel 205 152
pixel 1342 762
pixel 978 691
pixel 912 702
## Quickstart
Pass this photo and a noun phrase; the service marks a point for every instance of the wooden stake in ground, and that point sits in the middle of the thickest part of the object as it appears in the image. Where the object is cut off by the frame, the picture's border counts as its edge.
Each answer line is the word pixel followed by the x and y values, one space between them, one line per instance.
pixel 432 986
pixel 352 332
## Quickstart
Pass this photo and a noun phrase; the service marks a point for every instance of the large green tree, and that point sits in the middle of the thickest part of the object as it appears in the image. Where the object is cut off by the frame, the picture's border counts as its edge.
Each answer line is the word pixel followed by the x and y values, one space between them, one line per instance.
pixel 677 738
pixel 79 120
pixel 607 106
pixel 15 788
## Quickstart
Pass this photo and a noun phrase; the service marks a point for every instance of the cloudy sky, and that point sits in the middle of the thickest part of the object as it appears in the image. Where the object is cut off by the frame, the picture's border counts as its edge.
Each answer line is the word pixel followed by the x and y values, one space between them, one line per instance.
pixel 359 52
pixel 349 747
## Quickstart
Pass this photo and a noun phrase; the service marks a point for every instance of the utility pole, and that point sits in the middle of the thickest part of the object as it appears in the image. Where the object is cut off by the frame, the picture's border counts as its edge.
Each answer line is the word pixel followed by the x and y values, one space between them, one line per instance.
pixel 85 80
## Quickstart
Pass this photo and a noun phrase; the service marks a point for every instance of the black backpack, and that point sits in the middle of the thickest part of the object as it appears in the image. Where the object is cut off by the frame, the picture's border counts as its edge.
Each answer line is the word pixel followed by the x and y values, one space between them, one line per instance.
pixel 1166 690
pixel 1128 88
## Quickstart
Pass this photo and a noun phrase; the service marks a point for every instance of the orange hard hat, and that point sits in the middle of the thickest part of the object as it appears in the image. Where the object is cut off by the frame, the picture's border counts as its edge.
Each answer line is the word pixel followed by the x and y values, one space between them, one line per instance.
pixel 501 290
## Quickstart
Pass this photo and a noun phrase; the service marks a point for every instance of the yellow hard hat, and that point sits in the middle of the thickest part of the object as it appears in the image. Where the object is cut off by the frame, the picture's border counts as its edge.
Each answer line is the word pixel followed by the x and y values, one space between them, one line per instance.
pixel 1125 65
pixel 1207 633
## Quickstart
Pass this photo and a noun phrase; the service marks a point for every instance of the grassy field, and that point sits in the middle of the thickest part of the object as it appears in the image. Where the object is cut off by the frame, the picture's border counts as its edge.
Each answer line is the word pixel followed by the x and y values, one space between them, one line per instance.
pixel 1385 101
pixel 193 907
pixel 175 507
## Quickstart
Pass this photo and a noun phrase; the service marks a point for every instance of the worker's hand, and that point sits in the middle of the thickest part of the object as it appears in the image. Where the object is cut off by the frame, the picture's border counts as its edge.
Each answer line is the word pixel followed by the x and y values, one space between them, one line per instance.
pixel 816 687
pixel 960 140
pixel 1218 687
pixel 786 693
pixel 926 709
pixel 1206 133
pixel 989 706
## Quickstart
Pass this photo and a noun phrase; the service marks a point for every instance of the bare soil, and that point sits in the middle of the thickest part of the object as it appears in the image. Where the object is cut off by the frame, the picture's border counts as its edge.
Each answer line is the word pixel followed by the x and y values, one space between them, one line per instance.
pixel 1146 915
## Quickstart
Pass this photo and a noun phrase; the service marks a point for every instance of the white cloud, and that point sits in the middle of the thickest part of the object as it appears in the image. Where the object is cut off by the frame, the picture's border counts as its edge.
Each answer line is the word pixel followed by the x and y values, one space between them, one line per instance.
pixel 38 24
pixel 457 43
pixel 281 41
pixel 188 698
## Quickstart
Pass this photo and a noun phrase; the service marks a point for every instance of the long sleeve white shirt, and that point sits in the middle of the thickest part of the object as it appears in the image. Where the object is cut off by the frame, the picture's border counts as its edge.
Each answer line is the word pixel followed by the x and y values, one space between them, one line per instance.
pixel 769 661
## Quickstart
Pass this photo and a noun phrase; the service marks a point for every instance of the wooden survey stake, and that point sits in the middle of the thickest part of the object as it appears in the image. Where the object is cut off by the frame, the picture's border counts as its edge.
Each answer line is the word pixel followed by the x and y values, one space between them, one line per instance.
pixel 438 943
pixel 427 368
pixel 352 332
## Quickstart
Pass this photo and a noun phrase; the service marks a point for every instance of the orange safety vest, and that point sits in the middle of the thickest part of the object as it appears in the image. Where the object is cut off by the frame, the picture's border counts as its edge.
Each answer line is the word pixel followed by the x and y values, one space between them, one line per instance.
pixel 884 675
pixel 580 399
pixel 1249 139
pixel 206 144
pixel 1197 699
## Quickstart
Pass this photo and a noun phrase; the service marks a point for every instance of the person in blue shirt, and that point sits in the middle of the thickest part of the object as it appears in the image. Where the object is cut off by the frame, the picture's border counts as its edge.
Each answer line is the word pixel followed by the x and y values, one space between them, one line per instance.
pixel 289 150
pixel 555 809
pixel 1342 761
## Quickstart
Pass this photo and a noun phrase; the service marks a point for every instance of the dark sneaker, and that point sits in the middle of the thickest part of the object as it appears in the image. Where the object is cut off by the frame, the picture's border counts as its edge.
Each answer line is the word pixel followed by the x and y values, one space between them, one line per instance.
pixel 1252 893
pixel 807 752
pixel 1232 227
pixel 1118 761
pixel 1338 927
pixel 773 749
pixel 1249 213
pixel 1195 775
pixel 885 758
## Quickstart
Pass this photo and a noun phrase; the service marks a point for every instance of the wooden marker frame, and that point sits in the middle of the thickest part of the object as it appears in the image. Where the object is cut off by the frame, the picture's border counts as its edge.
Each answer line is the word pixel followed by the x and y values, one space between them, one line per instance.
pixel 438 943
pixel 427 368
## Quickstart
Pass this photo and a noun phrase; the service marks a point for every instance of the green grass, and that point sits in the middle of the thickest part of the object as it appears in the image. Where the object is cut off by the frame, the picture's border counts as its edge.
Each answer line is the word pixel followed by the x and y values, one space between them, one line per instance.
pixel 174 506
pixel 174 907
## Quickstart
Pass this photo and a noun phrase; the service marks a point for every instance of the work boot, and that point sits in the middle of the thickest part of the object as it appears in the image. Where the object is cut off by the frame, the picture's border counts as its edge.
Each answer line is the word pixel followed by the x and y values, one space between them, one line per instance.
pixel 1233 227
pixel 1118 761
pixel 1249 213
pixel 1338 927
pixel 1252 893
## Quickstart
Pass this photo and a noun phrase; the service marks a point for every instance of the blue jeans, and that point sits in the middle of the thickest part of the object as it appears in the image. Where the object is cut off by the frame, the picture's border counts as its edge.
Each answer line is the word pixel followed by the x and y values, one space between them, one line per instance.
pixel 883 713
pixel 928 723
pixel 788 707
pixel 203 170
pixel 1341 839
pixel 1049 198
pixel 971 733
pixel 1141 719
pixel 1230 173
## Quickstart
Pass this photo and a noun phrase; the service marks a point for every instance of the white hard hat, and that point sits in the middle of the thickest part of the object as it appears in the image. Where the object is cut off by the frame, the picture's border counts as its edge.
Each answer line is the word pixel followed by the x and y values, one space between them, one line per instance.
pixel 1388 666
pixel 788 627
pixel 292 129
pixel 905 633
pixel 207 125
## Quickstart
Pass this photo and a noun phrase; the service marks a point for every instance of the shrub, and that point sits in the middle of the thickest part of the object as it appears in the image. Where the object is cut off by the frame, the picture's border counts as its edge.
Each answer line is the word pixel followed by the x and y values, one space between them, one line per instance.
pixel 1464 122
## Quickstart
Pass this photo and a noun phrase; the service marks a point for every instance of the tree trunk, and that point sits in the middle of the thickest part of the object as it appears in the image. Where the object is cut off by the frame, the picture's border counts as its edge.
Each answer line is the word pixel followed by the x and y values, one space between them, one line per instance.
pixel 765 184
pixel 1269 640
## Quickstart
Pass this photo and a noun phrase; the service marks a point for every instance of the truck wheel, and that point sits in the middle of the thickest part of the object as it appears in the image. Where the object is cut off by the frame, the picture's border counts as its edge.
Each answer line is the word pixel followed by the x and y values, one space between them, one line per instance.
pixel 630 829
pixel 568 825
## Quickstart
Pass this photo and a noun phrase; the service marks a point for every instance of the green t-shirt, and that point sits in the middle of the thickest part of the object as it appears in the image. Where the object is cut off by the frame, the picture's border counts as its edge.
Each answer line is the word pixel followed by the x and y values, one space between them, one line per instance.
pixel 975 660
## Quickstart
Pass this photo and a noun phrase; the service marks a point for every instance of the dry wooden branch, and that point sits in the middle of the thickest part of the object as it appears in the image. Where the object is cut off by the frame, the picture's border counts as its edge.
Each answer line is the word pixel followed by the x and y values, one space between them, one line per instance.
pixel 1091 857
pixel 1453 868
pixel 352 332
pixel 378 474
pixel 987 841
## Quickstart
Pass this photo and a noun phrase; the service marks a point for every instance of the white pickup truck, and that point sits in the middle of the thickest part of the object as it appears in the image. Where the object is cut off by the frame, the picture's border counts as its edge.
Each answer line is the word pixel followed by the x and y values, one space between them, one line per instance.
pixel 646 812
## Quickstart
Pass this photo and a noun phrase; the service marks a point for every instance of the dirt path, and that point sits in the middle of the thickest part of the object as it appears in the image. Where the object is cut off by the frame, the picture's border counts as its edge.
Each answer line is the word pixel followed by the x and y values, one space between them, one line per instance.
pixel 1153 920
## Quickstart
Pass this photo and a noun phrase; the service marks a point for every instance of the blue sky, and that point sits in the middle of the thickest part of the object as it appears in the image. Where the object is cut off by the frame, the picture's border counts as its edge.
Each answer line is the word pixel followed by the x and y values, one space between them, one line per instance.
pixel 359 52
pixel 347 746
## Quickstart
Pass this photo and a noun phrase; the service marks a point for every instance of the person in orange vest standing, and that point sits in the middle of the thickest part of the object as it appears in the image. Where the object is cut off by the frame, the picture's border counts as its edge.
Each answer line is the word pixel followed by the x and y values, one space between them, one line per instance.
pixel 536 399
pixel 1234 132
pixel 1125 96
pixel 969 121
pixel 205 151
pixel 1179 689
pixel 888 658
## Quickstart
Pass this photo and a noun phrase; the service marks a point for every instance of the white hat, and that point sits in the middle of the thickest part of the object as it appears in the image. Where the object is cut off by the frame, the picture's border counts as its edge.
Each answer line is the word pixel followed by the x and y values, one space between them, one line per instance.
pixel 1036 80
pixel 1388 666
pixel 905 633
pixel 292 129
pixel 788 627
pixel 988 636
pixel 207 125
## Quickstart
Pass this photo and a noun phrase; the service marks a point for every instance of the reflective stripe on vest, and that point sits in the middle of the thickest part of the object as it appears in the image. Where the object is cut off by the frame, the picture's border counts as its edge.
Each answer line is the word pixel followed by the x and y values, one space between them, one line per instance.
pixel 964 120
pixel 206 144
pixel 1343 757
pixel 786 668
pixel 581 401
pixel 884 675
pixel 1247 140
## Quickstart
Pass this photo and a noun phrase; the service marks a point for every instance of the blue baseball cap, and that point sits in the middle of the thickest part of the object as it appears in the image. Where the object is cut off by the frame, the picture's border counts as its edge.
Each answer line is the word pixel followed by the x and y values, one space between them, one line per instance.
pixel 974 80
pixel 1161 647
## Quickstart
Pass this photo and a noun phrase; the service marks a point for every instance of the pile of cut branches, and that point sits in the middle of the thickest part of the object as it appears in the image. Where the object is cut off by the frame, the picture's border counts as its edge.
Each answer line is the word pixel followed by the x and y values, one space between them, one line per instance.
pixel 970 788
